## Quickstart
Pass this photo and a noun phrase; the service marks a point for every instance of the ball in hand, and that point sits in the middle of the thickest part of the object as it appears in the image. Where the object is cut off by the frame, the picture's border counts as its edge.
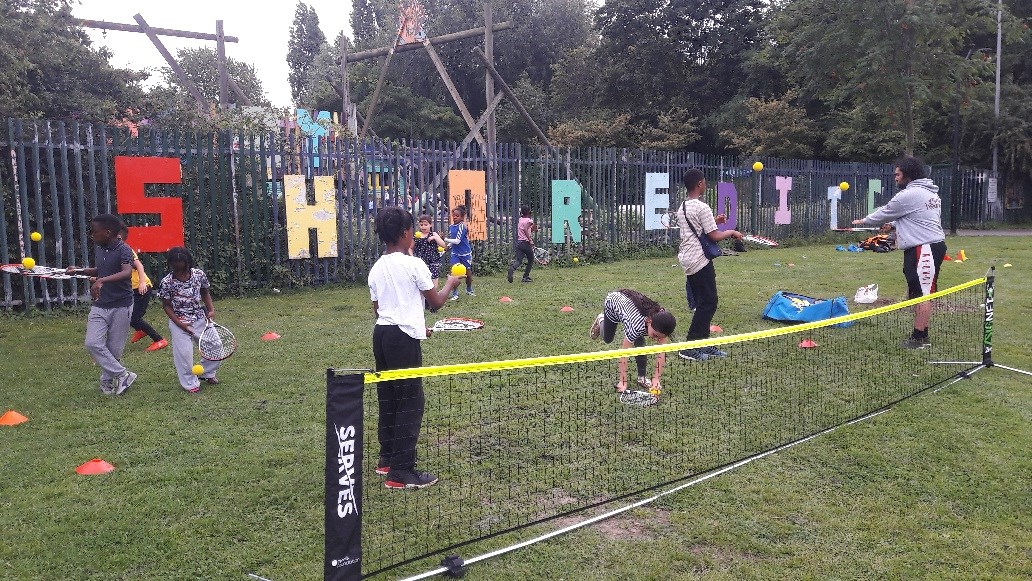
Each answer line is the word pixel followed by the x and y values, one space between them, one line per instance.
pixel 458 270
pixel 440 248
pixel 197 369
pixel 419 234
pixel 844 186
pixel 36 236
pixel 757 166
pixel 28 263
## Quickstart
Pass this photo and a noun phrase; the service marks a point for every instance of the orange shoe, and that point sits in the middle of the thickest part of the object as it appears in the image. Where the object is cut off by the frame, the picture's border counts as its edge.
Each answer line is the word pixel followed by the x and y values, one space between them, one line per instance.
pixel 137 336
pixel 159 344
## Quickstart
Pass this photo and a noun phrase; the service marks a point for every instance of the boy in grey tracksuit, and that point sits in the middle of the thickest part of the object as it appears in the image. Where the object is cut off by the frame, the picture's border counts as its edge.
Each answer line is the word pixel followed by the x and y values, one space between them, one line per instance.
pixel 916 212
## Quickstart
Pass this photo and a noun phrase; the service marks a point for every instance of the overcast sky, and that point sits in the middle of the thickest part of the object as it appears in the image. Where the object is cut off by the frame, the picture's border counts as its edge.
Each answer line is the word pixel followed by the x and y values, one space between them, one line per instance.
pixel 262 27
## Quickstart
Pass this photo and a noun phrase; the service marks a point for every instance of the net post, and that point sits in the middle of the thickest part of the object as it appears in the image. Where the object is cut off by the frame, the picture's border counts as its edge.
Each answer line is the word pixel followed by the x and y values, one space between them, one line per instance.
pixel 987 323
pixel 342 560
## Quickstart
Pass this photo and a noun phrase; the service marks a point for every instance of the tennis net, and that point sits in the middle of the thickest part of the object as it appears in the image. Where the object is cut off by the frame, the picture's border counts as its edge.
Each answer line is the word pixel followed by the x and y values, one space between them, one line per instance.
pixel 523 442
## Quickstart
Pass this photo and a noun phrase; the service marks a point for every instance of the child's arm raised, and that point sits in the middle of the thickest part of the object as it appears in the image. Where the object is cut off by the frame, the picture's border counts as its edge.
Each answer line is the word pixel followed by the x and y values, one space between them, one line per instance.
pixel 437 298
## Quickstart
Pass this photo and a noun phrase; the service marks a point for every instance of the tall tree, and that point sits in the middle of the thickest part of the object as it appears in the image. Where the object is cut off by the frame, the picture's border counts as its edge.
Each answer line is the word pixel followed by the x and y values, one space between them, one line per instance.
pixel 49 68
pixel 373 22
pixel 306 40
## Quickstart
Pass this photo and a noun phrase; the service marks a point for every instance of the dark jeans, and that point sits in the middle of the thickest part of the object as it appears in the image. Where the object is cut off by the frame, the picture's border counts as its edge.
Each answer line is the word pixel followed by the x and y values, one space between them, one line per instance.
pixel 140 304
pixel 609 333
pixel 703 285
pixel 401 401
pixel 524 251
pixel 688 294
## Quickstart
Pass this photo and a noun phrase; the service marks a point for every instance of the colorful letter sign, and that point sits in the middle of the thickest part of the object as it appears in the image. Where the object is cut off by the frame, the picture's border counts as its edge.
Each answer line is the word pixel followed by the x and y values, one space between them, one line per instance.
pixel 301 217
pixel 131 173
pixel 727 196
pixel 469 188
pixel 657 200
pixel 782 215
pixel 566 208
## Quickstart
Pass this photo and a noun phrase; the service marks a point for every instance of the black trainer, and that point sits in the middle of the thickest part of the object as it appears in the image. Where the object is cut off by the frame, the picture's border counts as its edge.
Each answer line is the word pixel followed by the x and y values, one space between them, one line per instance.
pixel 410 478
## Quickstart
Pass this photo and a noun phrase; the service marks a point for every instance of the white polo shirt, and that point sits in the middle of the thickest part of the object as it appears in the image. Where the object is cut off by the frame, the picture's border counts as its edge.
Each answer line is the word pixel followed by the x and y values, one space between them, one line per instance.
pixel 396 285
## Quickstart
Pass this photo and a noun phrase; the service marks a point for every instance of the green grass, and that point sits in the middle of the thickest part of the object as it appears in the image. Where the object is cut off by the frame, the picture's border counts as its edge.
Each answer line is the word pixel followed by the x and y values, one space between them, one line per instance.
pixel 230 482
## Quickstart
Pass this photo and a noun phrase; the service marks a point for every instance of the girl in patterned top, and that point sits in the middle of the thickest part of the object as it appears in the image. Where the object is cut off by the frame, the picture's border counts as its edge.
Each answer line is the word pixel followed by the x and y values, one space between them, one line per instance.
pixel 641 317
pixel 426 246
pixel 184 293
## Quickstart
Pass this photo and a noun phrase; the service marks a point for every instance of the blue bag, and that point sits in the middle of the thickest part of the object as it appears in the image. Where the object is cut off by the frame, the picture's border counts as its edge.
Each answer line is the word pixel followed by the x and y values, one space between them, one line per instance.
pixel 789 307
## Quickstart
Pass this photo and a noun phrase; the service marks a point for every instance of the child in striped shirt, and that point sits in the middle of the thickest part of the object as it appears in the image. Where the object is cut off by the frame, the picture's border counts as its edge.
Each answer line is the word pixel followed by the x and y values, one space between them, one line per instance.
pixel 641 317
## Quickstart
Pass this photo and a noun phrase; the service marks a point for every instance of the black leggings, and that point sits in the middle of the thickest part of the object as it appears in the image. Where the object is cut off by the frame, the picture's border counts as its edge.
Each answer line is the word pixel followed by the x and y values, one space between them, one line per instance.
pixel 401 400
pixel 609 333
pixel 140 304
pixel 524 251
pixel 703 285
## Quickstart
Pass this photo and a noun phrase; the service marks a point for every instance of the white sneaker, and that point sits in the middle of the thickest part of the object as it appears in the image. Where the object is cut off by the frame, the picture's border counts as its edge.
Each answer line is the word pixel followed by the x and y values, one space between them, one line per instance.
pixel 596 326
pixel 124 382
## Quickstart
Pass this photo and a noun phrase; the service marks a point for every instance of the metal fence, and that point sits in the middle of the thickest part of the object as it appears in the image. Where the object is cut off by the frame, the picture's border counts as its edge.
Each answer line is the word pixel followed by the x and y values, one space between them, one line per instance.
pixel 54 176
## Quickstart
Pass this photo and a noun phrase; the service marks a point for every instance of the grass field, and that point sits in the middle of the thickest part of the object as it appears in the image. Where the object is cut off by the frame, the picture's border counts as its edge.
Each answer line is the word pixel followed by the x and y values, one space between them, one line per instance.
pixel 229 482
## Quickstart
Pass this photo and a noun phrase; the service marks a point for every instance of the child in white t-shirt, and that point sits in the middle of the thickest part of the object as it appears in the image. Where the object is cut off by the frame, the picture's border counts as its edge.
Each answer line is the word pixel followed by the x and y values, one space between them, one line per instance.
pixel 398 285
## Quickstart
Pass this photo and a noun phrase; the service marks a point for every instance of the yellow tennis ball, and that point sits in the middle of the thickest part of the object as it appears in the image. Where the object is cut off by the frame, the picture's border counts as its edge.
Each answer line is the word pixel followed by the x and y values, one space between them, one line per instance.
pixel 197 369
pixel 36 236
pixel 419 234
pixel 757 166
pixel 458 270
pixel 575 259
pixel 844 186
pixel 28 263
pixel 440 248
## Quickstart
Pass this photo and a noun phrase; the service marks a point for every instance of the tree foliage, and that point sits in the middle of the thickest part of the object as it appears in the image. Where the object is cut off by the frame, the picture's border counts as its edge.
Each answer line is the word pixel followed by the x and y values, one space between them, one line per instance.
pixel 305 43
pixel 49 68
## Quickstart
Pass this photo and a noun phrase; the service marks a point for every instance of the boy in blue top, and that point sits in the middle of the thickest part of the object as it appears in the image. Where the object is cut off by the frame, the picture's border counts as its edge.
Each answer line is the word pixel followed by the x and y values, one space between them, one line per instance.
pixel 461 252
pixel 107 326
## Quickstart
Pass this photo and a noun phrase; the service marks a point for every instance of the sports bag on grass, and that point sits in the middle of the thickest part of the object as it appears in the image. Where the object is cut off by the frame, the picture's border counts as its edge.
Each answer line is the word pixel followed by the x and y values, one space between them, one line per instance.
pixel 795 308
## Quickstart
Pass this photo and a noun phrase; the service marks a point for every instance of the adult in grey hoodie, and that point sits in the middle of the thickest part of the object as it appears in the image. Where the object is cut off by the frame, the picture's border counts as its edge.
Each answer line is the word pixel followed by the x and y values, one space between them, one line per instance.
pixel 916 212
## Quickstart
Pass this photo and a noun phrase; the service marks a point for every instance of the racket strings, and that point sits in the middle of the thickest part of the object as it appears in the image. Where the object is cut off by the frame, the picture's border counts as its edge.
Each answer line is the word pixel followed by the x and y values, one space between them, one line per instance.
pixel 216 343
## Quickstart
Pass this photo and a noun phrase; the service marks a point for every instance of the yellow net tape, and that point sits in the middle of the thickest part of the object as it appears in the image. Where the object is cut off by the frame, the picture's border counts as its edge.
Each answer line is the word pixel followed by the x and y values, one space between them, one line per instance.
pixel 455 369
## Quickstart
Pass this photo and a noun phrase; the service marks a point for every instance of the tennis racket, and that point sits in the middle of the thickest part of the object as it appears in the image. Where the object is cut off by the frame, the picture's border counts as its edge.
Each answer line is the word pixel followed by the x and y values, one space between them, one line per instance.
pixel 542 256
pixel 216 342
pixel 855 229
pixel 637 398
pixel 48 272
pixel 457 324
pixel 760 240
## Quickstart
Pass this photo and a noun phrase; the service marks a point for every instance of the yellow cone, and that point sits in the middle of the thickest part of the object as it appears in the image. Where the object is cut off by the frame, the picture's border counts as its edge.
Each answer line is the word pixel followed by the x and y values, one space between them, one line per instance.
pixel 961 256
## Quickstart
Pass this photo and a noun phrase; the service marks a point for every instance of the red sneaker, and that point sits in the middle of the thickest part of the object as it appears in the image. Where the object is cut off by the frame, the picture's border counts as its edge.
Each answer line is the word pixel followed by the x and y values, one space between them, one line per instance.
pixel 137 336
pixel 159 344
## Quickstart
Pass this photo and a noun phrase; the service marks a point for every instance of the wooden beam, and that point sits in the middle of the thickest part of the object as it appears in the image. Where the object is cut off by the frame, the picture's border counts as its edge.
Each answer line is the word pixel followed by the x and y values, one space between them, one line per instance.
pixel 512 97
pixel 475 130
pixel 379 84
pixel 220 53
pixel 454 92
pixel 241 97
pixel 488 79
pixel 190 86
pixel 159 31
pixel 444 38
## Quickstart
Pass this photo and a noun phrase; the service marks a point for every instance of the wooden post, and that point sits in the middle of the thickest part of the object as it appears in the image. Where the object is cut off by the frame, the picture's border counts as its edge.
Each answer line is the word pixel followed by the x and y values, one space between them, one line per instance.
pixel 350 114
pixel 444 38
pixel 190 86
pixel 488 79
pixel 220 51
pixel 241 97
pixel 379 84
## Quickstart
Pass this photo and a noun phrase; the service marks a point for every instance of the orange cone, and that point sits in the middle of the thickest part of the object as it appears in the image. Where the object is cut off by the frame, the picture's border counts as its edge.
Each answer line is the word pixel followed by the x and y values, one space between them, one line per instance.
pixel 505 300
pixel 270 336
pixel 807 344
pixel 94 466
pixel 567 309
pixel 12 418
pixel 715 329
pixel 947 257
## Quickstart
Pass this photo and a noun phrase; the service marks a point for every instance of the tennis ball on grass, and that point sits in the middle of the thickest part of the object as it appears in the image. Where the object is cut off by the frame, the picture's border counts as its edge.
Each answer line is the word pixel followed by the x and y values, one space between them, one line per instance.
pixel 36 236
pixel 458 270
pixel 197 369
pixel 844 186
pixel 28 263
pixel 757 166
